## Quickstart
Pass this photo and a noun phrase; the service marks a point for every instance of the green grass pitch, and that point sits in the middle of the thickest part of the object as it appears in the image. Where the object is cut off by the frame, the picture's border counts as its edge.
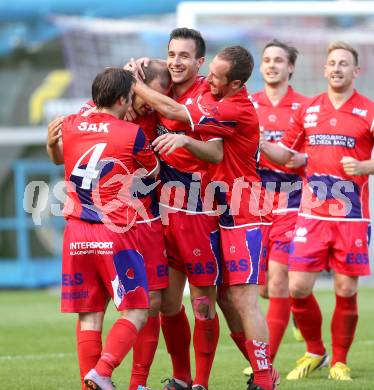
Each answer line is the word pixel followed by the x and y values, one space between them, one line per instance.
pixel 37 348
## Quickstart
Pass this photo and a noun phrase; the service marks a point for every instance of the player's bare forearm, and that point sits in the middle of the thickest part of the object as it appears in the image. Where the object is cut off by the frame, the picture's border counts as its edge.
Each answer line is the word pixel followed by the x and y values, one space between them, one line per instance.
pixel 368 167
pixel 297 160
pixel 55 153
pixel 164 105
pixel 211 151
pixel 54 143
pixel 275 153
pixel 353 167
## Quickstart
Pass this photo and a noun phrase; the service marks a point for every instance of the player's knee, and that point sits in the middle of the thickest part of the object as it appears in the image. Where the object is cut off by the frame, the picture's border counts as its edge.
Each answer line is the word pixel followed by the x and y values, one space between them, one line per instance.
pixel 345 290
pixel 227 309
pixel 222 296
pixel 223 303
pixel 299 290
pixel 91 321
pixel 278 287
pixel 170 307
pixel 203 308
pixel 244 300
pixel 142 318
pixel 154 302
pixel 249 309
pixel 138 317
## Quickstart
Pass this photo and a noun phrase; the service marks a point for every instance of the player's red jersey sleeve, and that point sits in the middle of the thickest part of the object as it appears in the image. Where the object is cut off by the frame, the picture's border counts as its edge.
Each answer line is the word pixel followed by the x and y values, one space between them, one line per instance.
pixel 213 118
pixel 143 152
pixel 148 123
pixel 294 137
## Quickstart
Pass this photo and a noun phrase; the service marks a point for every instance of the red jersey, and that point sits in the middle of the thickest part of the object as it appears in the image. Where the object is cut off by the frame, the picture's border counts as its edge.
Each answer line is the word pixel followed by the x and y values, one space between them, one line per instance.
pixel 89 105
pixel 101 154
pixel 274 120
pixel 329 135
pixel 148 187
pixel 240 131
pixel 148 123
pixel 182 166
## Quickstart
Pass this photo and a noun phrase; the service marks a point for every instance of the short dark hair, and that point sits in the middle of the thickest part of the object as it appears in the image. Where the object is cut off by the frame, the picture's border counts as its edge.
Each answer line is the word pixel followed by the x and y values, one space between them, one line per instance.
pixel 190 33
pixel 291 51
pixel 110 85
pixel 241 61
pixel 157 69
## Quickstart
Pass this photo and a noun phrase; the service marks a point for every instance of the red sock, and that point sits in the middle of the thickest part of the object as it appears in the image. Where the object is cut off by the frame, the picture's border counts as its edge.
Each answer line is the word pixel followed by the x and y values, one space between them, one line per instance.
pixel 144 352
pixel 277 318
pixel 119 341
pixel 177 334
pixel 343 326
pixel 205 340
pixel 259 357
pixel 89 348
pixel 239 340
pixel 309 320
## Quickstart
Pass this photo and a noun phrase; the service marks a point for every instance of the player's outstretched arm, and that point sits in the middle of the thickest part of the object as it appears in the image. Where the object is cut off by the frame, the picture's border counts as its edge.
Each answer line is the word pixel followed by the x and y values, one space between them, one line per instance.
pixel 210 151
pixel 54 142
pixel 353 167
pixel 274 152
pixel 297 160
pixel 165 105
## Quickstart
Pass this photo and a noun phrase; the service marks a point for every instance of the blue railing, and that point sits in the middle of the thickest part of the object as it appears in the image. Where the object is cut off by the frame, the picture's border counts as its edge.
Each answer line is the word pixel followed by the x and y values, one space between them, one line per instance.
pixel 25 270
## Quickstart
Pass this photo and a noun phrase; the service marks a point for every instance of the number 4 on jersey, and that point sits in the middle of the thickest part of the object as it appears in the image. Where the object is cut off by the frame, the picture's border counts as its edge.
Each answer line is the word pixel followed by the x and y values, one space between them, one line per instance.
pixel 90 172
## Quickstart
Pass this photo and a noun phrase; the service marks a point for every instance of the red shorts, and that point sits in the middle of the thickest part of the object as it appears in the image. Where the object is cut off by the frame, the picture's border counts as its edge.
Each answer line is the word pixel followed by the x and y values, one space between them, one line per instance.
pixel 280 237
pixel 244 254
pixel 98 264
pixel 323 245
pixel 152 248
pixel 192 247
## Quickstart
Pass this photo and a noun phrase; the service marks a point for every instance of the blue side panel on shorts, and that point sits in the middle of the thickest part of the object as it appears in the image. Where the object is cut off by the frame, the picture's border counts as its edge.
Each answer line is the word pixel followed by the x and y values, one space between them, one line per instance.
pixel 254 244
pixel 216 248
pixel 130 269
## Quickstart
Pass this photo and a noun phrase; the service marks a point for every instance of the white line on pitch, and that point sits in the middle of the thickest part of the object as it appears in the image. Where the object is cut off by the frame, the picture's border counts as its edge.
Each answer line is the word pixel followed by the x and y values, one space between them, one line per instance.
pixel 64 355
pixel 36 357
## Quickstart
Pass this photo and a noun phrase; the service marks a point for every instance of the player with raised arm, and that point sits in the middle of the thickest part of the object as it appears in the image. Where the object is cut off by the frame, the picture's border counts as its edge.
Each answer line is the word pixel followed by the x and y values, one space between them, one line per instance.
pixel 149 227
pixel 190 232
pixel 223 107
pixel 333 226
pixel 275 106
pixel 101 259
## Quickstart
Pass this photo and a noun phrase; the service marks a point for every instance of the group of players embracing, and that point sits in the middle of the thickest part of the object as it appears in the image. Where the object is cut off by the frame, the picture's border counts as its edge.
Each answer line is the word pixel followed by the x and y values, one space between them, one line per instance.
pixel 172 176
